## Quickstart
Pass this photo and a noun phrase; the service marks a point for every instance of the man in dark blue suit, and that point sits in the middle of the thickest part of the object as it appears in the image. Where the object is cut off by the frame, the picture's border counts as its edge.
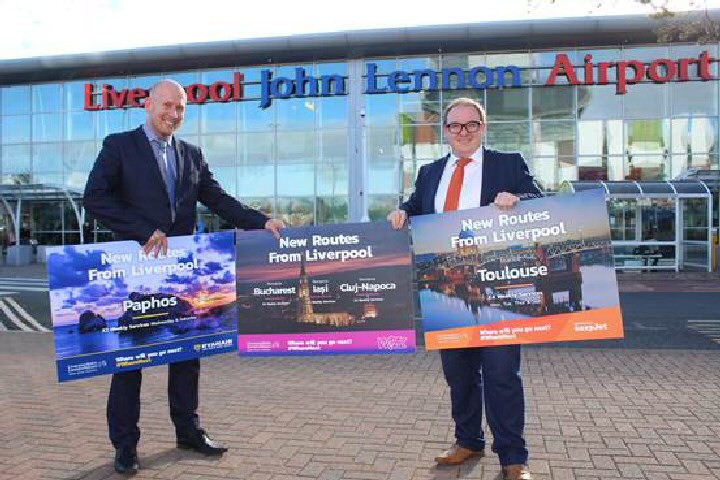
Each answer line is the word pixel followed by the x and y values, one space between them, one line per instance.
pixel 145 186
pixel 469 177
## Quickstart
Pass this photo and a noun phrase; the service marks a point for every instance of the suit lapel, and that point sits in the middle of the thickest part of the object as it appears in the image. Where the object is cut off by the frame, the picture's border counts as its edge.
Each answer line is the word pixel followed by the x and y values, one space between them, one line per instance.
pixel 485 189
pixel 435 176
pixel 146 152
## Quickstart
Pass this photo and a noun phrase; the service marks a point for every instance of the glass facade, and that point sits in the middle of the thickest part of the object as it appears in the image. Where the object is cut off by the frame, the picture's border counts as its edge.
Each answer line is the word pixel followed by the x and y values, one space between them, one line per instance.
pixel 353 157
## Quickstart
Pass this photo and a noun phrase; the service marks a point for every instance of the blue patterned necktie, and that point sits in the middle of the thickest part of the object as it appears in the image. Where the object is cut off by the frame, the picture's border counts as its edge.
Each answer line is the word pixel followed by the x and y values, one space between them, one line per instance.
pixel 162 148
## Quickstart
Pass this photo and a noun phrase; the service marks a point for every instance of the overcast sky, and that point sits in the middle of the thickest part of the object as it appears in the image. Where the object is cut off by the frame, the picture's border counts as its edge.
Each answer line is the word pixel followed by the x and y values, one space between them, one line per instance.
pixel 31 28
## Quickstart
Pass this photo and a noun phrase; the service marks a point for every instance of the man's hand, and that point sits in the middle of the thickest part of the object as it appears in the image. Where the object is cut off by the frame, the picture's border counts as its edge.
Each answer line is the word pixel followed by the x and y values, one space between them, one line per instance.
pixel 274 225
pixel 397 218
pixel 157 243
pixel 505 200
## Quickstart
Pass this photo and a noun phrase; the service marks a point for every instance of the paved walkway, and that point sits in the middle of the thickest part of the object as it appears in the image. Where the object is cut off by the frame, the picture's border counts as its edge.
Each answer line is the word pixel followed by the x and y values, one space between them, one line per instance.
pixel 592 414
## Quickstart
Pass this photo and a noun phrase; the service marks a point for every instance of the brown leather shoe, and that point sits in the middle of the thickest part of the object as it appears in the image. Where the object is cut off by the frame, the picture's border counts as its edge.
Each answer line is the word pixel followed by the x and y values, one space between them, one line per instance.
pixel 516 472
pixel 457 454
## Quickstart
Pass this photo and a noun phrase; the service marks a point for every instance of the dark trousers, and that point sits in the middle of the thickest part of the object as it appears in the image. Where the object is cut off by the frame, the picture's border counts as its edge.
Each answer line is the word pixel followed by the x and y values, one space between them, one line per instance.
pixel 492 372
pixel 123 407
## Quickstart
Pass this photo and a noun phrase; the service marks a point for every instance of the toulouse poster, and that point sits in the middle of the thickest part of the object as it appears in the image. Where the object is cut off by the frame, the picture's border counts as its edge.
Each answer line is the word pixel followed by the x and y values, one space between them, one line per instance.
pixel 325 290
pixel 540 272
pixel 114 308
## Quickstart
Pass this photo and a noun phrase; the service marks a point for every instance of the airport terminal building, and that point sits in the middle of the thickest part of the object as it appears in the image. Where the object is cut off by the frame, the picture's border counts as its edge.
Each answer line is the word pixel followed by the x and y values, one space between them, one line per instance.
pixel 333 127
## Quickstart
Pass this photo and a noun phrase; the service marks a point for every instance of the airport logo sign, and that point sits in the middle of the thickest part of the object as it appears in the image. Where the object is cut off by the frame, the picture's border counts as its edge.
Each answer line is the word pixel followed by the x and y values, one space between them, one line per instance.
pixel 301 85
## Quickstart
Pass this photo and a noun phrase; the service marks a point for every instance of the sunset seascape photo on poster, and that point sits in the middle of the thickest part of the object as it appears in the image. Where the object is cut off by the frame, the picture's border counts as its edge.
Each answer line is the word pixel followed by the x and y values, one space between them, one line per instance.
pixel 115 308
pixel 540 272
pixel 327 289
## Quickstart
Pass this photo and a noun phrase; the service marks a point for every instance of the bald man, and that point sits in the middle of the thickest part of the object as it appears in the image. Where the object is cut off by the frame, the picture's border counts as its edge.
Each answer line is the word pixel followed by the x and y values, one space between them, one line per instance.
pixel 145 186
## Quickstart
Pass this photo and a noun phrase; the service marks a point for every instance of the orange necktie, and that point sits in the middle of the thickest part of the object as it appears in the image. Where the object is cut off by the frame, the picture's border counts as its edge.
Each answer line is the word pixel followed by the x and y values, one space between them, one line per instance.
pixel 452 200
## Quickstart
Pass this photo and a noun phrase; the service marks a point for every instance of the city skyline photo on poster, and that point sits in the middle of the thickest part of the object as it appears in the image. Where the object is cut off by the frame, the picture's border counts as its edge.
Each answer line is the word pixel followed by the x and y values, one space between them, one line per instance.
pixel 326 289
pixel 542 271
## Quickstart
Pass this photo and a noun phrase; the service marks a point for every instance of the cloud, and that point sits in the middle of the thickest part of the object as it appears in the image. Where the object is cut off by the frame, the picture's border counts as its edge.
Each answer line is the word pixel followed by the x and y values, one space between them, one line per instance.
pixel 70 269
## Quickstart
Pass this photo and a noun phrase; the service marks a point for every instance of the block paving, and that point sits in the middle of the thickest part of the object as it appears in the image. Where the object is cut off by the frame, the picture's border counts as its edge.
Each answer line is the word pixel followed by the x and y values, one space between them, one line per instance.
pixel 592 414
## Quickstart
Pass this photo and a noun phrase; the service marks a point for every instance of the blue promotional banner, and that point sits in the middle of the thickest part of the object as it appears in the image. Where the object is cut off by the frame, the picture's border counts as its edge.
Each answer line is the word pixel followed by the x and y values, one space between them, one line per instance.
pixel 114 308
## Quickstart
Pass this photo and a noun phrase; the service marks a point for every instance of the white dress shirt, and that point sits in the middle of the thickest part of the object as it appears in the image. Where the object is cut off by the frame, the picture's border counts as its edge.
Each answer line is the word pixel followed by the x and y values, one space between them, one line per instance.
pixel 472 183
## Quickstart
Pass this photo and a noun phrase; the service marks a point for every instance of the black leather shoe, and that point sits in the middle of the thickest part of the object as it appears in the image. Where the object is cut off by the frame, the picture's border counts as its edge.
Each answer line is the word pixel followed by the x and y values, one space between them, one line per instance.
pixel 201 443
pixel 126 461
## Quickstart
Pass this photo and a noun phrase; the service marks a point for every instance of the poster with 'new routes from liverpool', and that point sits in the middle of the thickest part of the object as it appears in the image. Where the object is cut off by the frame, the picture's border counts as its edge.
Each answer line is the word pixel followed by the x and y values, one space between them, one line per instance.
pixel 325 290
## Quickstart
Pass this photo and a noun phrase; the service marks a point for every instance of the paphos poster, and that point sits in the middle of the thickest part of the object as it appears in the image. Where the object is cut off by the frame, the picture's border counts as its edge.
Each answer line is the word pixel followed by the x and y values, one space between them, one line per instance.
pixel 114 308
pixel 325 290
pixel 540 272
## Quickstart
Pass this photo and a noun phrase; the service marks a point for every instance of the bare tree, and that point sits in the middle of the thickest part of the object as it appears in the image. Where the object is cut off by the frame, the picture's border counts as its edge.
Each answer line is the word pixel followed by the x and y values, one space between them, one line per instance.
pixel 687 21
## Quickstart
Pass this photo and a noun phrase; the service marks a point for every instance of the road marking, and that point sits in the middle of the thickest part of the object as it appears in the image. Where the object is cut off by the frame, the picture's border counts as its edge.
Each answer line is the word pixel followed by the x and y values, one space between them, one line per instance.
pixel 709 327
pixel 17 285
pixel 29 318
pixel 13 318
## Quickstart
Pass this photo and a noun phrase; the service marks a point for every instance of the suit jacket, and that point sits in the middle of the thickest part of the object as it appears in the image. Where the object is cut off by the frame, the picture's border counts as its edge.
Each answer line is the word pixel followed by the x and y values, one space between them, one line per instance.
pixel 126 192
pixel 501 172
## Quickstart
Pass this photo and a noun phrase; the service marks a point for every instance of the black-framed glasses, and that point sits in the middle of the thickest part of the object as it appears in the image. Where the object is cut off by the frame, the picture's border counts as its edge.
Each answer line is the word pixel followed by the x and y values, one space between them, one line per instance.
pixel 470 127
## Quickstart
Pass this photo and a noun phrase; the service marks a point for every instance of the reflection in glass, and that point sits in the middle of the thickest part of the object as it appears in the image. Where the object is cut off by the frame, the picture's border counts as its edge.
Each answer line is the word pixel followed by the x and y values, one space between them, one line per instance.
pixel 227 178
pixel 657 219
pixel 623 219
pixel 380 205
pixel 381 109
pixel 648 136
pixel 511 136
pixel 554 138
pixel 332 209
pixel 253 118
pixel 645 54
pixel 646 100
pixel 332 178
pixel 75 95
pixel 256 180
pixel 695 135
pixel 15 129
pixel 553 102
pixel 507 104
pixel 296 147
pixel 47 127
pixel 599 102
pixel 333 145
pixel 694 98
pixel 333 112
pixel 600 137
pixel 384 178
pixel 382 145
pixel 47 157
pixel 419 139
pixel 15 100
pixel 296 179
pixel 16 159
pixel 46 98
pixel 295 113
pixel 219 150
pixel 218 117
pixel 110 121
pixel 79 156
pixel 256 148
pixel 592 168
pixel 191 124
pixel 296 211
pixel 80 125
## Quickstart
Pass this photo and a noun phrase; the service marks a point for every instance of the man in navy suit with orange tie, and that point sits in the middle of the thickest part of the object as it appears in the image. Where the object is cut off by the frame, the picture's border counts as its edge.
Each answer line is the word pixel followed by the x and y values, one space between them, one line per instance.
pixel 472 176
pixel 145 186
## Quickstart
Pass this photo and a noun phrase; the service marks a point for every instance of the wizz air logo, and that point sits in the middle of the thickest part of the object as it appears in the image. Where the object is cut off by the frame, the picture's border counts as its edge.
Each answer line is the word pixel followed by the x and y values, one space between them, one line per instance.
pixel 392 342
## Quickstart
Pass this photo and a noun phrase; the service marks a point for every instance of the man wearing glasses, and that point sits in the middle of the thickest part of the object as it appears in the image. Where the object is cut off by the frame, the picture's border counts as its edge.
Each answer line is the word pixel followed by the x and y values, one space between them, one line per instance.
pixel 472 176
